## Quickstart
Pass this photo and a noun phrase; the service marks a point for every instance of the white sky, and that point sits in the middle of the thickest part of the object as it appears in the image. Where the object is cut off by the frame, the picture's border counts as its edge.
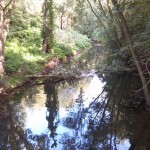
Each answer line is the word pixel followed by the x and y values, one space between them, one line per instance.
pixel 38 4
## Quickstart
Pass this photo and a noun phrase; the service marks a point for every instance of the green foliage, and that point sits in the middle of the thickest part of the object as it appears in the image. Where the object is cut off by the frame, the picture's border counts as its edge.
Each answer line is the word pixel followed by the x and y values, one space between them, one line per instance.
pixel 24 58
pixel 30 35
pixel 69 43
pixel 15 80
pixel 61 50
pixel 23 20
pixel 118 57
pixel 72 39
pixel 23 53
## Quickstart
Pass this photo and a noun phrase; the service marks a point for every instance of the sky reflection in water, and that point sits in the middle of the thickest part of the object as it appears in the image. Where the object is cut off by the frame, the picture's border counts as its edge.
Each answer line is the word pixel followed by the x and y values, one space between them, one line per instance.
pixel 36 116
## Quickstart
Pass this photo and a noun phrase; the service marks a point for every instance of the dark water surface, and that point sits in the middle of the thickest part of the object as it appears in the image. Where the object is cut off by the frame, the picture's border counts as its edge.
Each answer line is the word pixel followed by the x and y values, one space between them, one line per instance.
pixel 75 115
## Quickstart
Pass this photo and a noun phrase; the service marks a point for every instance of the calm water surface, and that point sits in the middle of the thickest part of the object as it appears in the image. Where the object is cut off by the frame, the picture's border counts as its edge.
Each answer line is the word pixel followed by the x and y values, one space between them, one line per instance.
pixel 73 115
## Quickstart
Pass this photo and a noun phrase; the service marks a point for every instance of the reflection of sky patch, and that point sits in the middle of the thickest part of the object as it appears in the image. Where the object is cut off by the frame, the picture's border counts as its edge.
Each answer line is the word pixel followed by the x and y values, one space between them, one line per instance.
pixel 36 120
pixel 124 145
pixel 62 112
pixel 62 130
pixel 94 89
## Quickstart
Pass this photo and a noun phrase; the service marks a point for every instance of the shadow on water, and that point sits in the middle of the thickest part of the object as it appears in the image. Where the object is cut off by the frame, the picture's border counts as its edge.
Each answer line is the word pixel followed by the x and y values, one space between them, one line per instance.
pixel 90 114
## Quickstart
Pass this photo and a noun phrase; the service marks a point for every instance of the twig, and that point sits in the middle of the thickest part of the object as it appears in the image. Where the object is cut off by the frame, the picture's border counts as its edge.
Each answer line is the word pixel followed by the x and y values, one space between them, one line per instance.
pixel 7 5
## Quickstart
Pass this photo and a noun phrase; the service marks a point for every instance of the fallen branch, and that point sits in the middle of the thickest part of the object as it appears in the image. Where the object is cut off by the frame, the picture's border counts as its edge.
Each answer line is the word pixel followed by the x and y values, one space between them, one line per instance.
pixel 42 76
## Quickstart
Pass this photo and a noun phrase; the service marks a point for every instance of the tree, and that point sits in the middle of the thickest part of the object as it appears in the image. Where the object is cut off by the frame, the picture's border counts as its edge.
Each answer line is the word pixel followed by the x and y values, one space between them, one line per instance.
pixel 65 14
pixel 115 24
pixel 6 11
pixel 99 18
pixel 48 26
pixel 133 52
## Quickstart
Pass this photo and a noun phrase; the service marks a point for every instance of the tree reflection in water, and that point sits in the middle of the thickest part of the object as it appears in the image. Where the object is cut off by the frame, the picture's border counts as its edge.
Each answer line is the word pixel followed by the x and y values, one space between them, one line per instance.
pixel 52 108
pixel 112 118
pixel 13 135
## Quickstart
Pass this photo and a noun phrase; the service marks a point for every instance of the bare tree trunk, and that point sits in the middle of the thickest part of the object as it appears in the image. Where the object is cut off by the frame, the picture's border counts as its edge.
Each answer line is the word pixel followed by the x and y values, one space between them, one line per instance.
pixel 63 11
pixel 137 62
pixel 2 58
pixel 51 25
pixel 6 11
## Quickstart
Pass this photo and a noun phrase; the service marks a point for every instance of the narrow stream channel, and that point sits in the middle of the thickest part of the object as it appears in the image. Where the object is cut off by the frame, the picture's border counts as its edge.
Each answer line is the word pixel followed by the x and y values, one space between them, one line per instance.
pixel 73 115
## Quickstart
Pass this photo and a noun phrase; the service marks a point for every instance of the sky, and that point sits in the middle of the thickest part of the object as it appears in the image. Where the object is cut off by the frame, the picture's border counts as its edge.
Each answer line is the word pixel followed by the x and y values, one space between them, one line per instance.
pixel 38 4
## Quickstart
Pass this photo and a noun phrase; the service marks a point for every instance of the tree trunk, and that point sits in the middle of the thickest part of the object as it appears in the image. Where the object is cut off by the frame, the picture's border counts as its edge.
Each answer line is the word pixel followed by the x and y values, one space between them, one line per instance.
pixel 137 62
pixel 113 25
pixel 61 22
pixel 2 59
pixel 45 28
pixel 47 44
pixel 6 11
pixel 51 24
pixel 101 8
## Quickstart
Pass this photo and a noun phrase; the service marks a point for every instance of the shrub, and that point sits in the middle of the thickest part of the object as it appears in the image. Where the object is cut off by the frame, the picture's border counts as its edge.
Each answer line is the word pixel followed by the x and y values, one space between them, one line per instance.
pixel 69 42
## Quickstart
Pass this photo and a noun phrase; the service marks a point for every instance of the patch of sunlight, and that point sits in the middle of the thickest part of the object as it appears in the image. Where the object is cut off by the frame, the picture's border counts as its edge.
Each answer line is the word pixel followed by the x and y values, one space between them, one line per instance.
pixel 32 58
pixel 59 1
pixel 14 47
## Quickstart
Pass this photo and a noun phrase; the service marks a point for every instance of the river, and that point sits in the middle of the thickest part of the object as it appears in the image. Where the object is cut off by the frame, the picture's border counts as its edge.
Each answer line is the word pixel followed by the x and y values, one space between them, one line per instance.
pixel 86 114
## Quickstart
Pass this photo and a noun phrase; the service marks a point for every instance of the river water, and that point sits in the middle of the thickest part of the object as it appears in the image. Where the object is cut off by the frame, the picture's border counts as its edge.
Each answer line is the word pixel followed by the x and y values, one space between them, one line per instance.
pixel 86 114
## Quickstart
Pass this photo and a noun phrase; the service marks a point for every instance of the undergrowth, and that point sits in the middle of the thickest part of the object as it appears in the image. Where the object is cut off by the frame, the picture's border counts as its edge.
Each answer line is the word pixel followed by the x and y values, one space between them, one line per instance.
pixel 23 50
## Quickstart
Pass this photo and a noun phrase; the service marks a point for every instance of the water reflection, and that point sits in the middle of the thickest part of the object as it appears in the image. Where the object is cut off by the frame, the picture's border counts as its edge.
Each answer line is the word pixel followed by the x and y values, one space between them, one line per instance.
pixel 52 111
pixel 86 114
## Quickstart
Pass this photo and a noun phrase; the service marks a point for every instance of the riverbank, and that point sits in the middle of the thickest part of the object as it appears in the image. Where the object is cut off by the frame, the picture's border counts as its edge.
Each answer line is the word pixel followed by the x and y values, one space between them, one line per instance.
pixel 19 79
pixel 15 81
pixel 26 58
